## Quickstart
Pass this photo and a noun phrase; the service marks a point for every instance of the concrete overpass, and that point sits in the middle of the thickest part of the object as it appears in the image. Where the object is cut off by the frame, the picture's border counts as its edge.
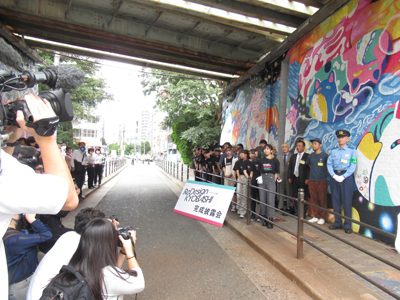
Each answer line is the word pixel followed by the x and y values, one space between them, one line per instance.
pixel 233 37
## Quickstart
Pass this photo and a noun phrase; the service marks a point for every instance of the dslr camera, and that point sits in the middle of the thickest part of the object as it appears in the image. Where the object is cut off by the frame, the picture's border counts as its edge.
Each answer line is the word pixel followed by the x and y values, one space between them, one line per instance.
pixel 124 232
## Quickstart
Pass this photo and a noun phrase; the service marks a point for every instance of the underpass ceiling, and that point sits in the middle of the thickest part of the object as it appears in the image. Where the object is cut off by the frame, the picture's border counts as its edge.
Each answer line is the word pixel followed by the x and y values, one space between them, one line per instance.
pixel 226 36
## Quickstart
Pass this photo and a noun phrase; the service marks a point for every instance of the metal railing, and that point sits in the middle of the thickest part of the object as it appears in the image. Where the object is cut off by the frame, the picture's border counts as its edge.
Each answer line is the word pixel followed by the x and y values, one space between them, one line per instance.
pixel 172 168
pixel 112 166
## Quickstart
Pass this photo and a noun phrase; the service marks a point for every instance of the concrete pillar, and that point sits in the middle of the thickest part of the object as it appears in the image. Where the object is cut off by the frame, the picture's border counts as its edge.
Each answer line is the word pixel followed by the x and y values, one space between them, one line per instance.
pixel 283 102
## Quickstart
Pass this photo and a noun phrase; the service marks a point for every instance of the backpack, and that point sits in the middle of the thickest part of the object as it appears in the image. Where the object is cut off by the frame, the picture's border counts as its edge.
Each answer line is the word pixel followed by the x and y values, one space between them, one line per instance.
pixel 61 289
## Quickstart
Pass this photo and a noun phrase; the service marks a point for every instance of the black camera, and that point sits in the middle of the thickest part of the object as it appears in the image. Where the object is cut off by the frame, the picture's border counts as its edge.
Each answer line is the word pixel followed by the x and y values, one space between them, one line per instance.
pixel 59 100
pixel 124 232
pixel 59 78
pixel 29 161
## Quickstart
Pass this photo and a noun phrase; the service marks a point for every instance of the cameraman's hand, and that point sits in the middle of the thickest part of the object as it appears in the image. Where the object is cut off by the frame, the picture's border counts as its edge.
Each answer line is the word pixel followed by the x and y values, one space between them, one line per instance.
pixel 30 218
pixel 127 245
pixel 40 109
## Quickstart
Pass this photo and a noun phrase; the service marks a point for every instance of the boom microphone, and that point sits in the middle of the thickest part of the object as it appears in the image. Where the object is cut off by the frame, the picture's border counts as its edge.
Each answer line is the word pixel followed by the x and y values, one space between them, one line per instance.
pixel 28 151
pixel 68 77
pixel 9 56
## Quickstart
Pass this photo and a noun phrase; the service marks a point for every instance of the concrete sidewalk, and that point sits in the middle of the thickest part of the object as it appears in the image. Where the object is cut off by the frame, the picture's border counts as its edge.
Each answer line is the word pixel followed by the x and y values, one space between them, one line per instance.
pixel 316 274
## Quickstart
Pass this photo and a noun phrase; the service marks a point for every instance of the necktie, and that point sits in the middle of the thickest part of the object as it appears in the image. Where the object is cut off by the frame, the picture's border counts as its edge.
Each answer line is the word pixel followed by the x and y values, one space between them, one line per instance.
pixel 296 168
pixel 284 159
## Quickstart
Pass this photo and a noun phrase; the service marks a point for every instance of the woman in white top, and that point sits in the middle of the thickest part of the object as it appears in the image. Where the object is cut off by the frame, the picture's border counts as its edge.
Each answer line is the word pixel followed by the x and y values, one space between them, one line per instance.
pixel 98 260
pixel 90 168
pixel 98 167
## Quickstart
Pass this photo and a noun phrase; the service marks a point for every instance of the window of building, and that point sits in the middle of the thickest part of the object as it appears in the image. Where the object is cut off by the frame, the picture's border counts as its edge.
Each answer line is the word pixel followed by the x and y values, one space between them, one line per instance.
pixel 89 133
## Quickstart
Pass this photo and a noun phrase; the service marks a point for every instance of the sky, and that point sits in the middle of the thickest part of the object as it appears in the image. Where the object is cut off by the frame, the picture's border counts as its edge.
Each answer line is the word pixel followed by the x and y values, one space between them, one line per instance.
pixel 124 83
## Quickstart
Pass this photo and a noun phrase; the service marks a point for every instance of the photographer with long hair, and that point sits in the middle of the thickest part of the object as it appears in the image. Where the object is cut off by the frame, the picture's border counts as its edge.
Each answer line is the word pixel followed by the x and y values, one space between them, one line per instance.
pixel 98 260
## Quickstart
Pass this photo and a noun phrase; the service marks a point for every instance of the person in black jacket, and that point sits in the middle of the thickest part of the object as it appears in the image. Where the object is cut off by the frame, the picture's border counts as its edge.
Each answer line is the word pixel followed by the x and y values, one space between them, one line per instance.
pixel 298 174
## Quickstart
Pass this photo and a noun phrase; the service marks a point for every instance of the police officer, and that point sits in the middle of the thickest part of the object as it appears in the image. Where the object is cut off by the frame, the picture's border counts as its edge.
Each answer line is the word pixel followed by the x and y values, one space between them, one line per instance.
pixel 341 165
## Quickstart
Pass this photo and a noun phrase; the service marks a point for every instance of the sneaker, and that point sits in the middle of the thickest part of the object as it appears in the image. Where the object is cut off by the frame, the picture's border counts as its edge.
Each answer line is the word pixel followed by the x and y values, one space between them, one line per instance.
pixel 241 215
pixel 258 219
pixel 313 220
pixel 252 219
pixel 233 208
pixel 321 222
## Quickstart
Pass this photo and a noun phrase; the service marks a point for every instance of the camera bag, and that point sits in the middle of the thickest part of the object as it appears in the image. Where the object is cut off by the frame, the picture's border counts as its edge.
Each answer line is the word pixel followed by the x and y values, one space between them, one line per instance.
pixel 77 289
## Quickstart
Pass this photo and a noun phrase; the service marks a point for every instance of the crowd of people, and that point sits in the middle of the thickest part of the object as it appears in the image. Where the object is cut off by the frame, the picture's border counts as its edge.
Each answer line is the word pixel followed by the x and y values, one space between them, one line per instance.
pixel 93 249
pixel 272 177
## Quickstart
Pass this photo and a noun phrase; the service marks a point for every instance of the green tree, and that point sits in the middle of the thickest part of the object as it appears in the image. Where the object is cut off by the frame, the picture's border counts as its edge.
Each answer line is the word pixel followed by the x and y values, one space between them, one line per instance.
pixel 193 101
pixel 185 147
pixel 146 146
pixel 103 141
pixel 129 149
pixel 85 98
pixel 114 147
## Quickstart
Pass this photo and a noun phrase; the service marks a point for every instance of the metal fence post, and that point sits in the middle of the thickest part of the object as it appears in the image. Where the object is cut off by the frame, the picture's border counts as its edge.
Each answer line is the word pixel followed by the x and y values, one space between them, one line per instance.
pixel 182 172
pixel 300 224
pixel 188 170
pixel 177 170
pixel 248 201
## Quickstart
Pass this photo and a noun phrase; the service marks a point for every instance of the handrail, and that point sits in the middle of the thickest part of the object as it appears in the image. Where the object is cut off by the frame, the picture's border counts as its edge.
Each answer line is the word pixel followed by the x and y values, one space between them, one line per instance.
pixel 300 223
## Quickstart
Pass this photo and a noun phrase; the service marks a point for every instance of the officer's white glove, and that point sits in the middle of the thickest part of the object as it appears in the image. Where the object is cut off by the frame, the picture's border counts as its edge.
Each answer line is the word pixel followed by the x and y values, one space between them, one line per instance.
pixel 338 178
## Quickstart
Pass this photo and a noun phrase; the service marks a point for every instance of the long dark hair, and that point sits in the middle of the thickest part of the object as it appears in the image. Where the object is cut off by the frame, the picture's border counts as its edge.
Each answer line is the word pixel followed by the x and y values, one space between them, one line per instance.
pixel 97 249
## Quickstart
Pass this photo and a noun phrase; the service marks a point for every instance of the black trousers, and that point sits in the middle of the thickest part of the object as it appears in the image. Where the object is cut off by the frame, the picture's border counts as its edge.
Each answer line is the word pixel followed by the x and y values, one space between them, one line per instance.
pixel 296 185
pixel 98 173
pixel 255 194
pixel 79 177
pixel 90 173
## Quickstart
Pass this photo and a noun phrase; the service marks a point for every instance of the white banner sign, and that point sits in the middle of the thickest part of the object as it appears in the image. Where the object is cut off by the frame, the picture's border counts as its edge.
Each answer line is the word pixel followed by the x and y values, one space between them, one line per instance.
pixel 206 202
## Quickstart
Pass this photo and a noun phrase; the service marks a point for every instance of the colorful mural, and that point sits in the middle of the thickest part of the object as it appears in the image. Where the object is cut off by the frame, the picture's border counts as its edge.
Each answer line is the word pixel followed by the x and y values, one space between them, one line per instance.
pixel 344 74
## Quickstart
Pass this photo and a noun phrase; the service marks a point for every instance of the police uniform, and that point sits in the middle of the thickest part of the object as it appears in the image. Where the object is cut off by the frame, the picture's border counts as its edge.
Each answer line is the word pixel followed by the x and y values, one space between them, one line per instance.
pixel 341 166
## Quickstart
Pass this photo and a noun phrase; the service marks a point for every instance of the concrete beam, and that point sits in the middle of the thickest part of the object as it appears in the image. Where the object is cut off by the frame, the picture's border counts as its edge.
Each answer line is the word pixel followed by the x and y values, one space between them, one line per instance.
pixel 80 24
pixel 131 61
pixel 256 26
pixel 20 44
pixel 255 10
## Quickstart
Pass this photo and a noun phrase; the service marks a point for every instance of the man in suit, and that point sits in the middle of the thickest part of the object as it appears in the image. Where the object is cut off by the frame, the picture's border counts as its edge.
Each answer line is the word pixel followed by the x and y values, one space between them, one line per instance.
pixel 298 172
pixel 284 186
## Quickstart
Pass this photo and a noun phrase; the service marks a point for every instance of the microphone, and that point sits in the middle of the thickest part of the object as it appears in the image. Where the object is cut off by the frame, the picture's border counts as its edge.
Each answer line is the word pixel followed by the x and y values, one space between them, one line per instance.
pixel 9 56
pixel 28 151
pixel 68 77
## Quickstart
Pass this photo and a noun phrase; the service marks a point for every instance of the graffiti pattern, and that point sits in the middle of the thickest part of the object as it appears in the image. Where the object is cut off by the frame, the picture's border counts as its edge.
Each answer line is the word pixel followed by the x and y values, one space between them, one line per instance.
pixel 345 74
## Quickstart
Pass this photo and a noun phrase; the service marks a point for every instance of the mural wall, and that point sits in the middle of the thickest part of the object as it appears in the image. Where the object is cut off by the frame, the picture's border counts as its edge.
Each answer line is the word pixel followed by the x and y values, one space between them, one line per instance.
pixel 344 74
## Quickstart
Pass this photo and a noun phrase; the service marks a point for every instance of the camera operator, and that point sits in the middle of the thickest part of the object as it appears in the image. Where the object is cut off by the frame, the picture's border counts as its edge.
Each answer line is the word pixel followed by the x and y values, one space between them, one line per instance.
pixel 61 253
pixel 22 251
pixel 48 193
pixel 97 260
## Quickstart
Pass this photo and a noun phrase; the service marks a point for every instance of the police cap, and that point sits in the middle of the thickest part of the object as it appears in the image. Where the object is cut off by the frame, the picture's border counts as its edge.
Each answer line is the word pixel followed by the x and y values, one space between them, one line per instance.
pixel 342 132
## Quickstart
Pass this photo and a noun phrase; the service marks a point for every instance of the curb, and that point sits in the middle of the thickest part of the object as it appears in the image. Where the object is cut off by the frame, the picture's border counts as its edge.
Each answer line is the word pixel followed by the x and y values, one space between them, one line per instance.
pixel 290 274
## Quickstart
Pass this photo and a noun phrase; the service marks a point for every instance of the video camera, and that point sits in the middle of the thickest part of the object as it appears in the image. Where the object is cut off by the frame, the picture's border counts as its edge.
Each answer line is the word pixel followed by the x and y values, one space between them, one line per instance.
pixel 59 99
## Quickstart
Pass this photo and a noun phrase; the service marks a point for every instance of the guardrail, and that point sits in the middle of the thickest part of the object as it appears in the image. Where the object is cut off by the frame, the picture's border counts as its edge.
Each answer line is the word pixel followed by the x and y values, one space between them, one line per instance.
pixel 112 166
pixel 176 168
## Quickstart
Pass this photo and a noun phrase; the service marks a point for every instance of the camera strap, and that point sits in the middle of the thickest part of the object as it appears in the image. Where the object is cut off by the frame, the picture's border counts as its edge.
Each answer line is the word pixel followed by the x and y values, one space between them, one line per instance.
pixel 44 127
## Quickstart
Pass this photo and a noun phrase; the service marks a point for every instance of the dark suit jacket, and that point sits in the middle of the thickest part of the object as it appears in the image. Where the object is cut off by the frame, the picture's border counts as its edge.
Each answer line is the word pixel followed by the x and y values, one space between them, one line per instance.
pixel 304 169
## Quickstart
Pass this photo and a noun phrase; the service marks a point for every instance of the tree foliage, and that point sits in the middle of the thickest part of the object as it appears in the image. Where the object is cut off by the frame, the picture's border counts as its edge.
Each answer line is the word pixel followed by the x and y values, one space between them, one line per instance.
pixel 85 98
pixel 114 147
pixel 184 146
pixel 130 149
pixel 193 101
pixel 145 148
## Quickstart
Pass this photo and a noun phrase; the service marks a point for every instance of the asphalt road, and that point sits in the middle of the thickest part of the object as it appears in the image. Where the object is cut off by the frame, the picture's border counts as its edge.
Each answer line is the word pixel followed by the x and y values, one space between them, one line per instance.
pixel 180 257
